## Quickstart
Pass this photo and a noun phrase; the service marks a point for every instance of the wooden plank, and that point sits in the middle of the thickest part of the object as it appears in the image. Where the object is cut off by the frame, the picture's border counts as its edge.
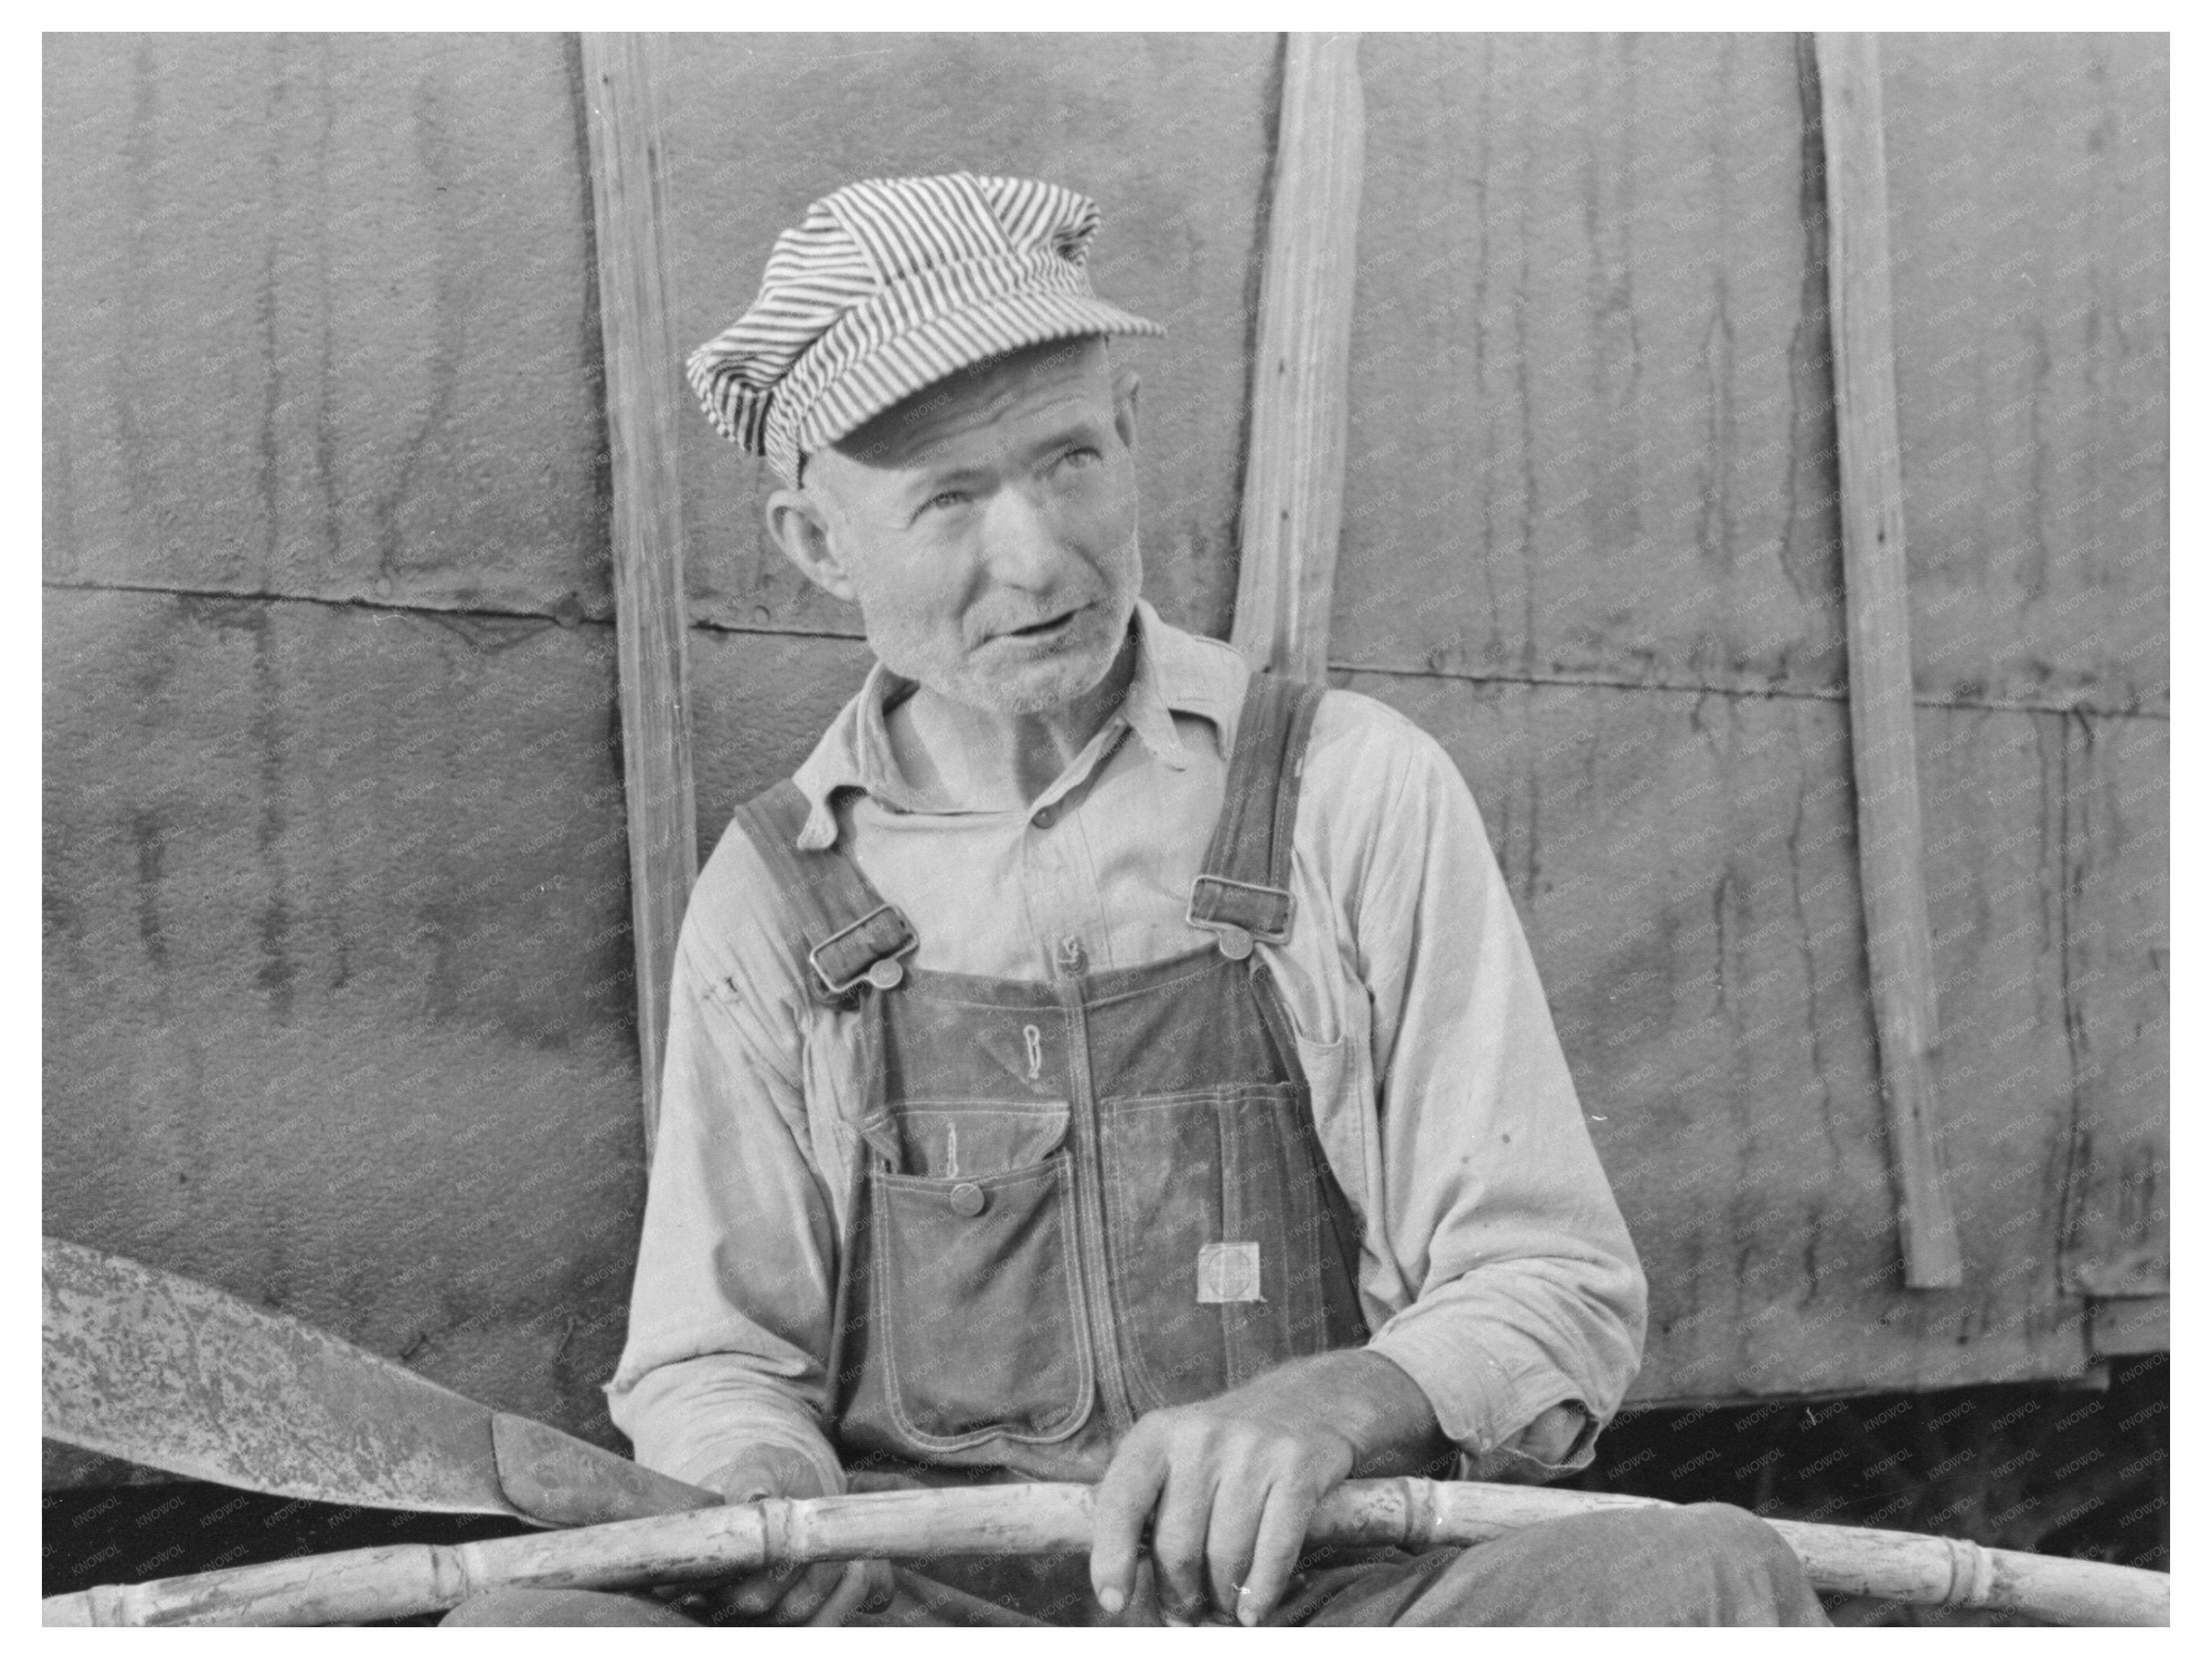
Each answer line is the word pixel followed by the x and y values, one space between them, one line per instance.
pixel 1879 649
pixel 645 396
pixel 1294 472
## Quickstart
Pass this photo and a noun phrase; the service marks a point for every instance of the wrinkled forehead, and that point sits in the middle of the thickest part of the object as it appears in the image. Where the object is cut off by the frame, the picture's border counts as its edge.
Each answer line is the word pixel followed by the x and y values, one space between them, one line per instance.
pixel 1074 375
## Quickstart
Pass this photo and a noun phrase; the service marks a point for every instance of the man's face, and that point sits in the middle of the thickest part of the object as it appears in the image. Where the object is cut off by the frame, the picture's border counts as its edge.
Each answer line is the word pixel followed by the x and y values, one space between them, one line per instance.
pixel 986 528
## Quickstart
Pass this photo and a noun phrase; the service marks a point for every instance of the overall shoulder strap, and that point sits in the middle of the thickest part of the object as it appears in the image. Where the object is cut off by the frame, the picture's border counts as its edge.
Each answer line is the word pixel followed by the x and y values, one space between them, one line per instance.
pixel 848 935
pixel 1244 891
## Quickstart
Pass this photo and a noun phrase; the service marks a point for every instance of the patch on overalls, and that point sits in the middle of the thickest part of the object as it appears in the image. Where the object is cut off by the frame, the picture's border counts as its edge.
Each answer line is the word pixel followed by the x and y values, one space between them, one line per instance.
pixel 1229 1272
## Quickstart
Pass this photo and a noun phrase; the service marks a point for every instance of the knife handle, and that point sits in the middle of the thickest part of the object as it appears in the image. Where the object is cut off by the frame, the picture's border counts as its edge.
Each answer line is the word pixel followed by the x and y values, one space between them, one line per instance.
pixel 557 1480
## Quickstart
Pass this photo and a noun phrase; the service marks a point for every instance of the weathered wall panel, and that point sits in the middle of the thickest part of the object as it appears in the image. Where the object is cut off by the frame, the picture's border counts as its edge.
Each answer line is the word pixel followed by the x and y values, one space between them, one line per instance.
pixel 2046 886
pixel 337 974
pixel 1593 443
pixel 1686 866
pixel 1590 406
pixel 1171 134
pixel 319 321
pixel 1687 873
pixel 759 704
pixel 2105 795
pixel 336 1003
pixel 2028 186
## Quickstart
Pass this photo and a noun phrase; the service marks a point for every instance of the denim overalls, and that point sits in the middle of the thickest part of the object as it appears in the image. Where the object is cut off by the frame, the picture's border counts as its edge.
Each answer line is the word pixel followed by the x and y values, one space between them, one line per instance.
pixel 1073 1201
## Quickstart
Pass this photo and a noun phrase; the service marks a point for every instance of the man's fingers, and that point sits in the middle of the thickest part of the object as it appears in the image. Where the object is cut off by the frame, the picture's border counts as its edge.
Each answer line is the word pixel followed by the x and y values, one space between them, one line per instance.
pixel 815 1587
pixel 1123 1502
pixel 1180 1525
pixel 754 1594
pixel 801 1595
pixel 1282 1534
pixel 862 1582
pixel 1230 1536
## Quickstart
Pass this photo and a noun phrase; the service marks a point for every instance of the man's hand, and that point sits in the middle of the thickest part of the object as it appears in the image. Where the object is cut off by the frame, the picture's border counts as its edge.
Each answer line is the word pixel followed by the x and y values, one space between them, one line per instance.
pixel 1230 1484
pixel 825 1593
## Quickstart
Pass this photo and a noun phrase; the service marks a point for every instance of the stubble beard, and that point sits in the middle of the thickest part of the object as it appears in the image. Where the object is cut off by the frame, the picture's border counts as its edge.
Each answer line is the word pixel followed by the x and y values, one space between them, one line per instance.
pixel 1033 686
pixel 1044 683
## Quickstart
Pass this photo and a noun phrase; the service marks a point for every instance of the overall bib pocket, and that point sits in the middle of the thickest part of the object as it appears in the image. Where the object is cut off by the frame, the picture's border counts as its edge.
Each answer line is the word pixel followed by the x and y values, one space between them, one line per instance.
pixel 1210 1238
pixel 977 1283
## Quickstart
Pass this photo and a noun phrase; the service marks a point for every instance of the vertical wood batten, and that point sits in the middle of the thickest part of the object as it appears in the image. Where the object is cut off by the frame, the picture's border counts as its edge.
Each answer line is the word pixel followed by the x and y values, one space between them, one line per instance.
pixel 1899 955
pixel 1294 474
pixel 630 188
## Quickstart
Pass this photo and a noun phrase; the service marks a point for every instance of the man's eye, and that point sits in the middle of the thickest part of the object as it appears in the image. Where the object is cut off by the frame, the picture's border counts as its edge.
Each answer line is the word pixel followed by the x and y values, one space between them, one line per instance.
pixel 944 499
pixel 1081 456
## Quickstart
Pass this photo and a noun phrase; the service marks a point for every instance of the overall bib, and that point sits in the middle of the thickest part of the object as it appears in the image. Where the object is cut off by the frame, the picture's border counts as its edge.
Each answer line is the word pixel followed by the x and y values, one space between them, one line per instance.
pixel 1073 1201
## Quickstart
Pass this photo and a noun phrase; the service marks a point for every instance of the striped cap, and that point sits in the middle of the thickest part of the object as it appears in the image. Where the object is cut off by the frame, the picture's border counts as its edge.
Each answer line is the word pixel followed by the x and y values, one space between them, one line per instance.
pixel 890 285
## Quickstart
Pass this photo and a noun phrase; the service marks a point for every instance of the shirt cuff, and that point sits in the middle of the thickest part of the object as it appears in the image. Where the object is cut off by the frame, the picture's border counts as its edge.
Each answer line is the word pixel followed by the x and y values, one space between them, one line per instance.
pixel 811 1448
pixel 1561 1440
pixel 692 1419
pixel 1513 1414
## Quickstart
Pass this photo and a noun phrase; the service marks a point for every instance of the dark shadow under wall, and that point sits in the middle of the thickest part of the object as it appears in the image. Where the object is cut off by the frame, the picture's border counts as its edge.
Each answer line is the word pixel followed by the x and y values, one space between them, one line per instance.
pixel 2057 1470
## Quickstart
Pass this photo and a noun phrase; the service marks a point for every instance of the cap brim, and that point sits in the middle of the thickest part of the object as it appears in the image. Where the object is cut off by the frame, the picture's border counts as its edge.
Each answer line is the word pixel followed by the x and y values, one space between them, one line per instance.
pixel 943 345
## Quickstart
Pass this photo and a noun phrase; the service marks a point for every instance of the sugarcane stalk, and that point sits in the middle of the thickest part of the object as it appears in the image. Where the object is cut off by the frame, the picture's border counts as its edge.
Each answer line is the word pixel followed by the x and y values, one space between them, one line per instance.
pixel 398 1581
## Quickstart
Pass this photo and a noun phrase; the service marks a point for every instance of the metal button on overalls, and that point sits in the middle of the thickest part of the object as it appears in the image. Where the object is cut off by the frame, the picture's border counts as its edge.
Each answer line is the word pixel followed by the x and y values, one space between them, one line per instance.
pixel 1235 944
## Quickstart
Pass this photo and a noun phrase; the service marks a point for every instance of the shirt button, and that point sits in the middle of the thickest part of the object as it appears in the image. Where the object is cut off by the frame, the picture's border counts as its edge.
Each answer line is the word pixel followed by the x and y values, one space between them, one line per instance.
pixel 968 1198
pixel 1072 957
pixel 1045 817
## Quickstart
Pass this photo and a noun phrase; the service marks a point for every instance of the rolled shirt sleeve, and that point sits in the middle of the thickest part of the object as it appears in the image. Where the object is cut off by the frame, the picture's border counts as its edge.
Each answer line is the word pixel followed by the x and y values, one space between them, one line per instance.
pixel 732 1306
pixel 1527 1316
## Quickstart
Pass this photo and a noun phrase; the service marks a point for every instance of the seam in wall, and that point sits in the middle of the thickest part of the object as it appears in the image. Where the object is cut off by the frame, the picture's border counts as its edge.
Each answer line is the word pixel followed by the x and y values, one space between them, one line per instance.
pixel 1589 680
pixel 1803 693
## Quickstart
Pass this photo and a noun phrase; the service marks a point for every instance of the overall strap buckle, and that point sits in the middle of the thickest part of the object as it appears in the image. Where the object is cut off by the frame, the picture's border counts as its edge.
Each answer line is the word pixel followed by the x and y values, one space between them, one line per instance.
pixel 1244 895
pixel 1239 912
pixel 820 888
pixel 866 952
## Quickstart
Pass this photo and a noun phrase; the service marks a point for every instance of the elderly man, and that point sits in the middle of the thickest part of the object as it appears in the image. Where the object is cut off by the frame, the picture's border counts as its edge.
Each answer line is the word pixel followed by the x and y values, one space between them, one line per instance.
pixel 1101 1062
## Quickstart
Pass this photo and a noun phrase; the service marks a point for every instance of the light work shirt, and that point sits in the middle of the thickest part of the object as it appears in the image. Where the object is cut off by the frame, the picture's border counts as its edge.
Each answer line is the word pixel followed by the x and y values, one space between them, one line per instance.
pixel 1494 1269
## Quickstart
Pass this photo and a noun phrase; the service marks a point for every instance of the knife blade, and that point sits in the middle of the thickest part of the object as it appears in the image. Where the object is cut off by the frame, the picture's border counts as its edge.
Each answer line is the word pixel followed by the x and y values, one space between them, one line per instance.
pixel 164 1370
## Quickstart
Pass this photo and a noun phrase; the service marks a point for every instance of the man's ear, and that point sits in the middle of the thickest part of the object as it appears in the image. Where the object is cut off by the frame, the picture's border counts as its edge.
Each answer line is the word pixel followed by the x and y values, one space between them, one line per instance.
pixel 801 527
pixel 1125 405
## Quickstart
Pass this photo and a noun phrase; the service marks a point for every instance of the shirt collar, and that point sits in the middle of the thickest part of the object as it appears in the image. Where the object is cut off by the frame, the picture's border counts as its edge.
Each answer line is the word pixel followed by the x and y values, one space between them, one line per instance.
pixel 1175 673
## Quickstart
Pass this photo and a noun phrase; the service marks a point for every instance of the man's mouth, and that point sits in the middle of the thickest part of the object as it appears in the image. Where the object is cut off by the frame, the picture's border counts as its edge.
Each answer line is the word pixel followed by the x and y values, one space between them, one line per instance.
pixel 1041 630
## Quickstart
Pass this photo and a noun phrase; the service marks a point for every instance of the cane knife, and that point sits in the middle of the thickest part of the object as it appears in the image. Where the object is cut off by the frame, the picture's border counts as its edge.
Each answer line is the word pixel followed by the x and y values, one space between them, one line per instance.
pixel 163 1370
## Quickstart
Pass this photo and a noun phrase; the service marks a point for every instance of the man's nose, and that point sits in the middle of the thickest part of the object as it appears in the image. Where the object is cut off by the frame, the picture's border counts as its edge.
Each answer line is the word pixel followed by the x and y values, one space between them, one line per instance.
pixel 1021 547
